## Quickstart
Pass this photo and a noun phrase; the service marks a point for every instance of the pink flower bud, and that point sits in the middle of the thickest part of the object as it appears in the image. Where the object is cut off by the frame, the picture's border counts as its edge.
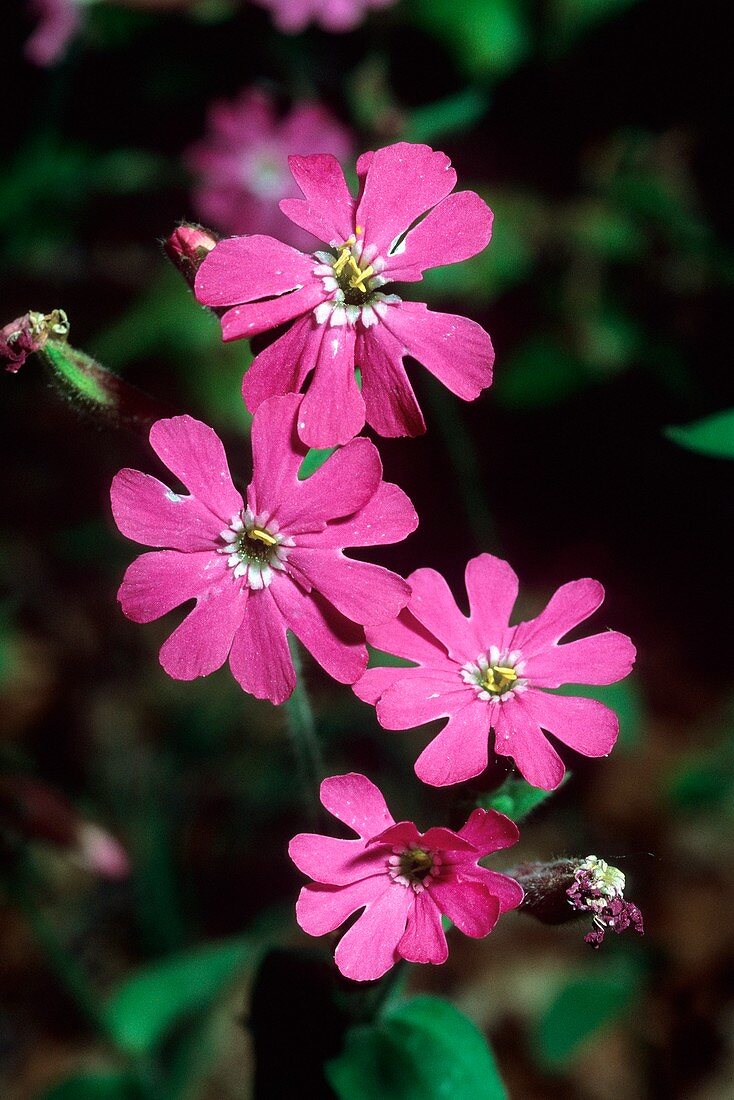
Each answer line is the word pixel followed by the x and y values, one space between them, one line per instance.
pixel 187 247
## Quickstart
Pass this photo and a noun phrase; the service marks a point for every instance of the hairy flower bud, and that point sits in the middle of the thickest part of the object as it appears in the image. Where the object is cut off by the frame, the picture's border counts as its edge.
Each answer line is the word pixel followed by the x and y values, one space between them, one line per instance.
pixel 187 248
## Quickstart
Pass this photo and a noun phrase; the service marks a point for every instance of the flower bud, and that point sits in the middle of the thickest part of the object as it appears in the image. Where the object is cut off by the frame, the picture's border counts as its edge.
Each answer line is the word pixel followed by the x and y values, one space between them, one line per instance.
pixel 187 248
pixel 29 333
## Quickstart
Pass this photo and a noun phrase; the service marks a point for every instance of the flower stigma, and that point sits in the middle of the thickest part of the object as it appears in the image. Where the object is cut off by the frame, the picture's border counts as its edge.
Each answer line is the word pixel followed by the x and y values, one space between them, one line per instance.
pixel 254 548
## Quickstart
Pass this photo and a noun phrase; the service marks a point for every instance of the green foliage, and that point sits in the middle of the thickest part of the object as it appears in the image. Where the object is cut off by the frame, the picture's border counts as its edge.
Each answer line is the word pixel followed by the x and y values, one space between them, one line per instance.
pixel 101 1085
pixel 424 1049
pixel 517 798
pixel 144 1009
pixel 378 659
pixel 489 38
pixel 714 435
pixel 455 114
pixel 541 373
pixel 581 1009
pixel 569 19
pixel 314 460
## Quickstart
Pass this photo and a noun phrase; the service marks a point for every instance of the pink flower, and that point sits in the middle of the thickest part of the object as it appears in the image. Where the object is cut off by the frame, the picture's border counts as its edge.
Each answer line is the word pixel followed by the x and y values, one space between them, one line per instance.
pixel 293 16
pixel 484 674
pixel 242 165
pixel 58 23
pixel 404 880
pixel 341 315
pixel 260 568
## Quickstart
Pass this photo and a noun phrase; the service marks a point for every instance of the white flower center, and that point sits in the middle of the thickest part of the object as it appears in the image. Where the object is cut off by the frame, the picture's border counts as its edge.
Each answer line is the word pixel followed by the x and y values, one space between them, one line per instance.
pixel 254 548
pixel 496 675
pixel 414 867
pixel 352 277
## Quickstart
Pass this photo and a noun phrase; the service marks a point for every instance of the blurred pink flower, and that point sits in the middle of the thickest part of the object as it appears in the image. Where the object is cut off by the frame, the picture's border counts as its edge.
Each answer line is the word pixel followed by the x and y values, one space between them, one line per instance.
pixel 293 16
pixel 259 569
pixel 341 316
pixel 484 674
pixel 403 879
pixel 58 23
pixel 241 166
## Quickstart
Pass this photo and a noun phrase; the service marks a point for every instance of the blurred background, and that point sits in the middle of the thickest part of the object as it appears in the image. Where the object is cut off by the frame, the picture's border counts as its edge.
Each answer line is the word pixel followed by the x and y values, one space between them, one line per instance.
pixel 144 823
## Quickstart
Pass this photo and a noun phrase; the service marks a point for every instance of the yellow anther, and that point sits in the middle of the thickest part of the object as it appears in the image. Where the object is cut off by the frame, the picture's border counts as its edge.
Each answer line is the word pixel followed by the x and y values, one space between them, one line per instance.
pixel 498 678
pixel 343 259
pixel 359 276
pixel 259 535
pixel 359 230
pixel 507 673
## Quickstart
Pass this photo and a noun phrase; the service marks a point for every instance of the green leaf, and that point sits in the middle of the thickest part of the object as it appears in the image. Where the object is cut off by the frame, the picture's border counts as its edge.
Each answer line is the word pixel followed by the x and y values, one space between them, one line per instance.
pixel 95 1086
pixel 714 435
pixel 424 1049
pixel 581 1009
pixel 488 37
pixel 455 114
pixel 540 374
pixel 516 798
pixel 569 19
pixel 624 698
pixel 314 460
pixel 378 659
pixel 142 1011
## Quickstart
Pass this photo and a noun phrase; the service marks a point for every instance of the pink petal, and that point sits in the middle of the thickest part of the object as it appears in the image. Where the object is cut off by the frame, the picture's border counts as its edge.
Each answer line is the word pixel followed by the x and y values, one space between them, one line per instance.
pixel 599 659
pixel 387 517
pixel 374 682
pixel 277 454
pixel 369 948
pixel 424 940
pixel 336 862
pixel 284 365
pixel 336 643
pixel 402 182
pixel 421 695
pixel 252 318
pixel 327 209
pixel 155 583
pixel 333 409
pixel 399 835
pixel 518 734
pixel 321 909
pixel 569 606
pixel 407 638
pixel 203 640
pixel 508 892
pixel 357 802
pixel 585 725
pixel 492 587
pixel 454 349
pixel 459 227
pixel 148 511
pixel 260 659
pixel 434 606
pixel 446 840
pixel 365 593
pixel 469 905
pixel 242 269
pixel 460 751
pixel 390 404
pixel 489 831
pixel 195 454
pixel 346 482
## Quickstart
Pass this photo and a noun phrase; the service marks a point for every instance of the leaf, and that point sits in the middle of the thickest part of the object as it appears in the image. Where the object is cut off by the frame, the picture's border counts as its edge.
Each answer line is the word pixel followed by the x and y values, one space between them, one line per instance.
pixel 455 114
pixel 95 1086
pixel 378 659
pixel 540 374
pixel 142 1011
pixel 581 1009
pixel 488 37
pixel 424 1049
pixel 314 460
pixel 517 798
pixel 569 19
pixel 714 435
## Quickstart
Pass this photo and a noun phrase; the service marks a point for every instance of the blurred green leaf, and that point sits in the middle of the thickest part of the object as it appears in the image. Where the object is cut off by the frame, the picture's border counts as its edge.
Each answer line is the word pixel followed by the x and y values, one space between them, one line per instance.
pixel 714 435
pixel 142 1011
pixel 517 798
pixel 489 38
pixel 455 114
pixel 569 19
pixel 314 460
pixel 581 1009
pixel 606 233
pixel 378 659
pixel 541 373
pixel 96 1086
pixel 624 698
pixel 424 1049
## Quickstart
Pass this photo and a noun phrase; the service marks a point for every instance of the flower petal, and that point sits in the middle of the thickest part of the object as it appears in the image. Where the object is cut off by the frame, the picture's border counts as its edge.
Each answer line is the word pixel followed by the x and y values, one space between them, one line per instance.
pixel 346 482
pixel 518 734
pixel 155 583
pixel 469 905
pixel 424 940
pixel 585 725
pixel 402 182
pixel 391 406
pixel 364 592
pixel 248 320
pixel 489 831
pixel 374 682
pixel 421 695
pixel 243 269
pixel 335 642
pixel 327 208
pixel 460 751
pixel 454 349
pixel 284 365
pixel 277 454
pixel 369 948
pixel 357 802
pixel 260 659
pixel 435 607
pixel 387 517
pixel 203 640
pixel 333 408
pixel 148 511
pixel 336 862
pixel 195 454
pixel 459 227
pixel 407 638
pixel 492 587
pixel 567 607
pixel 321 909
pixel 599 659
pixel 508 892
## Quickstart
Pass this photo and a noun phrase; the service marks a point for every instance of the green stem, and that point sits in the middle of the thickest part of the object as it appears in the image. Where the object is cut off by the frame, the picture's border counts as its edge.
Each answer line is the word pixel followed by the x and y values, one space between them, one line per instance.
pixel 302 728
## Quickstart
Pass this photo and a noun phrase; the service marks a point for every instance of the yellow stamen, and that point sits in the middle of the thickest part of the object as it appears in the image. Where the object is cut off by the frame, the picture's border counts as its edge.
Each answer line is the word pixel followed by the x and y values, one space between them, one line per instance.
pixel 343 259
pixel 359 276
pixel 498 678
pixel 259 535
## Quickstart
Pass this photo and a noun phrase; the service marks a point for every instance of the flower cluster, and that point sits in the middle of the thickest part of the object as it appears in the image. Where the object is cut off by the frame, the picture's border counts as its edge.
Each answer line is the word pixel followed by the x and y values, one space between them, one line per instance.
pixel 598 889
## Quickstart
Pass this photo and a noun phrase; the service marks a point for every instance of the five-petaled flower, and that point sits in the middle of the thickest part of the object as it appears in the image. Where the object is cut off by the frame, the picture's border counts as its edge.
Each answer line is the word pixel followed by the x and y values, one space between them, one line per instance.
pixel 403 879
pixel 259 568
pixel 484 674
pixel 293 16
pixel 241 166
pixel 343 313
